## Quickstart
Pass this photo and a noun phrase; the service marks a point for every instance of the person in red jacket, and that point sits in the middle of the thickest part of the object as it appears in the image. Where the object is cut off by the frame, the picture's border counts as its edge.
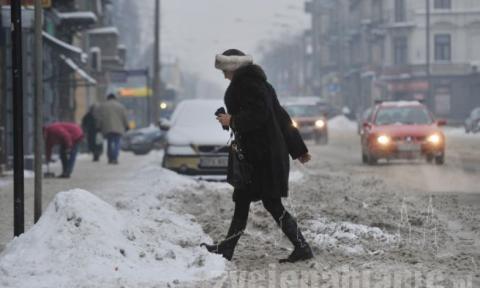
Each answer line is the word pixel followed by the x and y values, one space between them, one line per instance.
pixel 67 136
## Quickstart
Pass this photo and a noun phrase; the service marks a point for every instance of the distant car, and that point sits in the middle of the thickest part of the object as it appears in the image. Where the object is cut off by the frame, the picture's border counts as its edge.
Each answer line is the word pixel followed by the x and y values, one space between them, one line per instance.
pixel 143 140
pixel 402 130
pixel 472 123
pixel 362 118
pixel 309 120
pixel 196 143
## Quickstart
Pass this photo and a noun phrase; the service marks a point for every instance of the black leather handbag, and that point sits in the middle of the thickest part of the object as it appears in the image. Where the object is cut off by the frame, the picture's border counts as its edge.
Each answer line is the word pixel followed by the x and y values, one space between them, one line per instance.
pixel 242 171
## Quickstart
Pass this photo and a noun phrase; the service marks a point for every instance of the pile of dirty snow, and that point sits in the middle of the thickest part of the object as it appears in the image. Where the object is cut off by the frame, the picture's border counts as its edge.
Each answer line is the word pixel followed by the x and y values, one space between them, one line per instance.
pixel 342 123
pixel 82 241
pixel 459 132
pixel 348 238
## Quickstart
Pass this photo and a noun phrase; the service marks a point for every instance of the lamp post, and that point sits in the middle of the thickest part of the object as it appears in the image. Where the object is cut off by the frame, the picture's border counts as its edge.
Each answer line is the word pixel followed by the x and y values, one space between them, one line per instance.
pixel 427 47
pixel 37 211
pixel 156 66
pixel 17 101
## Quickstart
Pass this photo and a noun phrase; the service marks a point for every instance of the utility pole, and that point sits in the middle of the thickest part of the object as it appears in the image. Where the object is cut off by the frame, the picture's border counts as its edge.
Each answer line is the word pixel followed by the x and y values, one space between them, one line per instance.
pixel 427 54
pixel 18 165
pixel 37 211
pixel 156 66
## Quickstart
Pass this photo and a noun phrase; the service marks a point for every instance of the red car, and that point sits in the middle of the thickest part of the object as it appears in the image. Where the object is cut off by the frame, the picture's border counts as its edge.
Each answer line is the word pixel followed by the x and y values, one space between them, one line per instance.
pixel 402 130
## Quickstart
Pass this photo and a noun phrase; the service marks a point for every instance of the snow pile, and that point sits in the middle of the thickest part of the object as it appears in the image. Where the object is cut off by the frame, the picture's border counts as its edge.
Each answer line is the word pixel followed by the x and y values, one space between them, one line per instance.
pixel 27 174
pixel 342 123
pixel 4 183
pixel 82 241
pixel 348 238
pixel 459 132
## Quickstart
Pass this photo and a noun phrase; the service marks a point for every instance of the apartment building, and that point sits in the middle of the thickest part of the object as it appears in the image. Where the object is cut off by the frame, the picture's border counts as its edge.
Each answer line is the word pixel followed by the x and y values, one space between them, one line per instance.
pixel 383 52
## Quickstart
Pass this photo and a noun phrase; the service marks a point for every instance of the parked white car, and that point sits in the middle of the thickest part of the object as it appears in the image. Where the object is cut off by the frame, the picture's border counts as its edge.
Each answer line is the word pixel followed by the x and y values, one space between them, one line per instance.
pixel 196 143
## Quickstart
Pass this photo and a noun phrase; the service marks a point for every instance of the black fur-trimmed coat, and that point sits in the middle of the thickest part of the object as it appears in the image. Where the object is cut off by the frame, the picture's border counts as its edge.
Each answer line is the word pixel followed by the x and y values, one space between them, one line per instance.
pixel 266 131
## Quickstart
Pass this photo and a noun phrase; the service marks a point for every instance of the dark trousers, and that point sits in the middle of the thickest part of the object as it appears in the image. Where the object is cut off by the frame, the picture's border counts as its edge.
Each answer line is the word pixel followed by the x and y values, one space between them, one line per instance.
pixel 281 216
pixel 68 159
pixel 113 146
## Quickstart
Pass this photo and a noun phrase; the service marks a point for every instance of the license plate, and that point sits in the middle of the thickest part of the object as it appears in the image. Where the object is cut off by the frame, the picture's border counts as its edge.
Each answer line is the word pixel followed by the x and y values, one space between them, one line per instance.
pixel 211 162
pixel 409 147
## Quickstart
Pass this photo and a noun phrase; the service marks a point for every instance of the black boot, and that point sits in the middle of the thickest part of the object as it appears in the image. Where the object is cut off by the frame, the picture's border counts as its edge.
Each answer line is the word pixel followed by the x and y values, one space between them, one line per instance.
pixel 227 246
pixel 302 250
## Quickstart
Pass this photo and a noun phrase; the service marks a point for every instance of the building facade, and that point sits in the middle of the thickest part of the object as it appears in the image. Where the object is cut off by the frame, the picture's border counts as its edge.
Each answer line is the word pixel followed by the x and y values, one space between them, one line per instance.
pixel 383 52
pixel 70 83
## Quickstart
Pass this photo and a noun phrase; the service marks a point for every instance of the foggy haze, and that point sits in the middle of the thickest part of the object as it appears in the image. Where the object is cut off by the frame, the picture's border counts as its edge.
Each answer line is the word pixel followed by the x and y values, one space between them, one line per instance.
pixel 194 31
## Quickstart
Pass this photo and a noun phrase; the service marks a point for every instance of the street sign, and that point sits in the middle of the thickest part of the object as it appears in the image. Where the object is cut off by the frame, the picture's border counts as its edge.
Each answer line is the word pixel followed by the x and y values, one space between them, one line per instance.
pixel 45 3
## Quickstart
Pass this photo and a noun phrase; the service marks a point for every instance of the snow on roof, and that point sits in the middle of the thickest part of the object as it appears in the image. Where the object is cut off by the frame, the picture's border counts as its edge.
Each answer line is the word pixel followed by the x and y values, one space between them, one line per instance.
pixel 401 103
pixel 79 70
pixel 304 100
pixel 104 30
pixel 77 15
pixel 62 44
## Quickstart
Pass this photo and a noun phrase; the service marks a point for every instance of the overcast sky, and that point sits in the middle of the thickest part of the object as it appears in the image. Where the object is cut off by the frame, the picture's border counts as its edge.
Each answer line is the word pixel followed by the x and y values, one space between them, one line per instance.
pixel 195 30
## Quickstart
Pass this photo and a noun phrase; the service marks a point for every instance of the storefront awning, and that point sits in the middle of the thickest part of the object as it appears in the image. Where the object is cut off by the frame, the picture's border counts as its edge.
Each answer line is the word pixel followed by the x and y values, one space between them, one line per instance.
pixel 70 63
pixel 80 19
pixel 65 48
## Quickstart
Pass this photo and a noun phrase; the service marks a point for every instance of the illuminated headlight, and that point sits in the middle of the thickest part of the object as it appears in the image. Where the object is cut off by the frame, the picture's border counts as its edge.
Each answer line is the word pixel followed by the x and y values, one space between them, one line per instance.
pixel 320 124
pixel 384 140
pixel 434 139
pixel 295 124
pixel 163 105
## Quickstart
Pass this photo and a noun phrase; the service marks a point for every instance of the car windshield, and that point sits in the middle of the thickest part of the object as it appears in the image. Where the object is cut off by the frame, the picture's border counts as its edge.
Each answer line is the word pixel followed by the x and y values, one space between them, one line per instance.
pixel 303 110
pixel 403 115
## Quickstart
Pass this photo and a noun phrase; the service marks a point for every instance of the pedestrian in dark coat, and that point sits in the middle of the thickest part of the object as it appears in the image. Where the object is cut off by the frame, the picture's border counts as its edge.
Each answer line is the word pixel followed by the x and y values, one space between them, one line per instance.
pixel 111 118
pixel 94 137
pixel 265 133
pixel 67 136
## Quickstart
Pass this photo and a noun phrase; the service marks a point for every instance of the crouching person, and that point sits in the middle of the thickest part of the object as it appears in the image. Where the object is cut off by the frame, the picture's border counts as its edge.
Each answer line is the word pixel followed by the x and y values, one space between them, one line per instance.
pixel 67 136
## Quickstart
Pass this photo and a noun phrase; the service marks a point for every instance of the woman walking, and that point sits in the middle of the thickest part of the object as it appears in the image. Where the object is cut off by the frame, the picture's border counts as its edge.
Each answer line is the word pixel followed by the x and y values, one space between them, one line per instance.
pixel 266 137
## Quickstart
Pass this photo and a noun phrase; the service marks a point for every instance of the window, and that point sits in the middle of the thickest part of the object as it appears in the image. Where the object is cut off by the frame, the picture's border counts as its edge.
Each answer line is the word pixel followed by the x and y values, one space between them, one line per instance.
pixel 377 11
pixel 443 47
pixel 400 50
pixel 442 4
pixel 400 11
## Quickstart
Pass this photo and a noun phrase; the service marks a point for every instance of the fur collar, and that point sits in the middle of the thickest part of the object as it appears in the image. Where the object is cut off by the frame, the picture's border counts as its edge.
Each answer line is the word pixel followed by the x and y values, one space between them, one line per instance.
pixel 232 63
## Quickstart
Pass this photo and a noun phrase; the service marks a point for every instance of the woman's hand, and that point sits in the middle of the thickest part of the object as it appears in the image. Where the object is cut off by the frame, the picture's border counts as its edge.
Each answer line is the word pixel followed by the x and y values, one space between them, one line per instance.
pixel 305 158
pixel 224 119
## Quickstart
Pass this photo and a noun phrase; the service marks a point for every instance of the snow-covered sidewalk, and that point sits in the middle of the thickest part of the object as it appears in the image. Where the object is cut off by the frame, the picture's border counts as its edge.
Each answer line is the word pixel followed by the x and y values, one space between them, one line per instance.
pixel 83 241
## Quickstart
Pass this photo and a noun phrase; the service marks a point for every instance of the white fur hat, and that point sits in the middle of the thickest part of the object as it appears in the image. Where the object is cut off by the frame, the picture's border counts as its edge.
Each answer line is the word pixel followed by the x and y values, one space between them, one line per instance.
pixel 232 63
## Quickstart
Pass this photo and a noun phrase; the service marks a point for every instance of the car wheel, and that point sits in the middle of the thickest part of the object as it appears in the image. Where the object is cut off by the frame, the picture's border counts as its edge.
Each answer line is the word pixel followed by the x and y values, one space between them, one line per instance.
pixel 141 152
pixel 364 158
pixel 321 139
pixel 429 158
pixel 440 160
pixel 371 160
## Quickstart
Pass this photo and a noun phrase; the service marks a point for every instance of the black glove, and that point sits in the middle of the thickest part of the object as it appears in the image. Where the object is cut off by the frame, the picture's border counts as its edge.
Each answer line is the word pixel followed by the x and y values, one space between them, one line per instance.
pixel 220 111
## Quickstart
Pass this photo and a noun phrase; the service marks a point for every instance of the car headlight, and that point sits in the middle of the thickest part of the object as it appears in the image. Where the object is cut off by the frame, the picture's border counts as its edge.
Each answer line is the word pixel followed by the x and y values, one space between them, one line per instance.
pixel 294 123
pixel 180 150
pixel 434 139
pixel 320 123
pixel 384 140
